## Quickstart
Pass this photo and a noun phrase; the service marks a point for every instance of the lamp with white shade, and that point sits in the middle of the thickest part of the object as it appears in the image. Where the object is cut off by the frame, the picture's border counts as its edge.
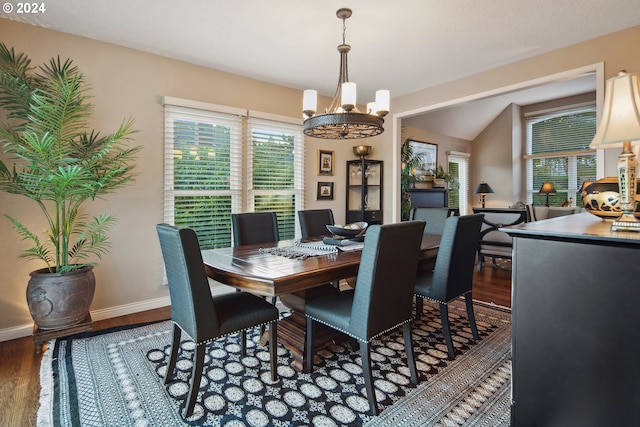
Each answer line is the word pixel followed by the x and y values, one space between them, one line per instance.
pixel 620 126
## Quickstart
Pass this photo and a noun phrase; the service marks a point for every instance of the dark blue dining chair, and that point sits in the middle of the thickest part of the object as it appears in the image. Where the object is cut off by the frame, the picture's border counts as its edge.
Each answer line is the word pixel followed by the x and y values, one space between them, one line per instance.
pixel 452 275
pixel 313 222
pixel 381 301
pixel 202 317
pixel 254 227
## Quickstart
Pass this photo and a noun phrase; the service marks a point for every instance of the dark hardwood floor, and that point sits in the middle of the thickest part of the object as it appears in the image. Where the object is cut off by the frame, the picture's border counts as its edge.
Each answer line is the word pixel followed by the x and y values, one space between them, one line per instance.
pixel 20 366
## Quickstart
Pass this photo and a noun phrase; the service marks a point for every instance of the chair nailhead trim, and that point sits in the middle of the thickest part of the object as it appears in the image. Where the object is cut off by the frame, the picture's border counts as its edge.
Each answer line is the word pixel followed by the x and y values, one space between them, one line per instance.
pixel 358 338
pixel 225 335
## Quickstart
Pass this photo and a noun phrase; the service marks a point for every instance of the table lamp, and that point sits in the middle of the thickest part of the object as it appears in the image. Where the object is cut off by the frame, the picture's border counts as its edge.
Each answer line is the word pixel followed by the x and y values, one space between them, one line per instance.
pixel 547 188
pixel 620 126
pixel 483 189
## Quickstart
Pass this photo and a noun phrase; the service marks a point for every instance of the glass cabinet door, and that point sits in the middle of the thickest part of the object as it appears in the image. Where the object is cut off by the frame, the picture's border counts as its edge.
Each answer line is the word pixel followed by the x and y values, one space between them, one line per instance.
pixel 364 194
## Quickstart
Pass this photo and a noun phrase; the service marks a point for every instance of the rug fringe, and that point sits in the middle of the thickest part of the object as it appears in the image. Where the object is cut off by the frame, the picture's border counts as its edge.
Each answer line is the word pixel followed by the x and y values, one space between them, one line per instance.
pixel 44 416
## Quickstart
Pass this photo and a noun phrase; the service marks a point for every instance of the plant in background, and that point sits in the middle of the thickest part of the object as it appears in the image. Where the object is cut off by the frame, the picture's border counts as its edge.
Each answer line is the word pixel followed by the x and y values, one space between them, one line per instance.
pixel 56 162
pixel 408 178
pixel 440 173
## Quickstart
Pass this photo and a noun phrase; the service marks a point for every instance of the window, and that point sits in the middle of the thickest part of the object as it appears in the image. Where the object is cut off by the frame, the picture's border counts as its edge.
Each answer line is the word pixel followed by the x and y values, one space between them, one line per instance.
pixel 275 172
pixel 207 177
pixel 557 150
pixel 459 185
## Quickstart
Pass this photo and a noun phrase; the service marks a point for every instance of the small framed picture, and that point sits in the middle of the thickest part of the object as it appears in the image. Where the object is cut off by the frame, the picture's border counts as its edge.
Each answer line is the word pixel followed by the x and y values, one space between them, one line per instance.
pixel 325 162
pixel 325 191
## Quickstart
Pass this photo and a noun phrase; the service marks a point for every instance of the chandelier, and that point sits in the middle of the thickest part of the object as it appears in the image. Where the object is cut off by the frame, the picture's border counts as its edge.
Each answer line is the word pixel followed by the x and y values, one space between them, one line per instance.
pixel 343 120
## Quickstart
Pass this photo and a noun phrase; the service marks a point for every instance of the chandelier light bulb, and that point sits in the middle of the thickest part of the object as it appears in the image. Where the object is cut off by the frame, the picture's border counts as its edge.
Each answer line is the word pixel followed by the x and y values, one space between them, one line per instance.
pixel 382 102
pixel 348 96
pixel 310 102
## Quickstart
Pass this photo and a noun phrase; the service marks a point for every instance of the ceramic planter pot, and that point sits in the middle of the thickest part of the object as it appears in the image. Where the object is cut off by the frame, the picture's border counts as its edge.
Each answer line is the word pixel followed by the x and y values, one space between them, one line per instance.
pixel 58 301
pixel 601 198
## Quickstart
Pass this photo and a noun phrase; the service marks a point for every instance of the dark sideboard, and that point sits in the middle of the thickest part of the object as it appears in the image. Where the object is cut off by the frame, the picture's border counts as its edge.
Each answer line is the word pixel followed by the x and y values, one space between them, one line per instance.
pixel 429 197
pixel 575 324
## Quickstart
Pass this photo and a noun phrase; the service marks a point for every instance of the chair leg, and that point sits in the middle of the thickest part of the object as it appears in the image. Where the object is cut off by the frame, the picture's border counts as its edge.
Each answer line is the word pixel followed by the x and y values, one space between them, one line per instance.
pixel 243 341
pixel 408 345
pixel 444 318
pixel 365 353
pixel 175 345
pixel 468 299
pixel 196 376
pixel 419 303
pixel 310 344
pixel 273 349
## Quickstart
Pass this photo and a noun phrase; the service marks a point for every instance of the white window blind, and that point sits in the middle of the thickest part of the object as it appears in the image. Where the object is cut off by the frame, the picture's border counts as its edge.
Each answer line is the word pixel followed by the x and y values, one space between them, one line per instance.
pixel 202 172
pixel 274 171
pixel 459 186
pixel 557 150
pixel 218 162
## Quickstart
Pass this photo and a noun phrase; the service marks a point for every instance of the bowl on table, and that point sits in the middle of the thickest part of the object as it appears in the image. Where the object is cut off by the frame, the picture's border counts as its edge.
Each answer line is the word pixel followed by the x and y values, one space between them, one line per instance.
pixel 349 230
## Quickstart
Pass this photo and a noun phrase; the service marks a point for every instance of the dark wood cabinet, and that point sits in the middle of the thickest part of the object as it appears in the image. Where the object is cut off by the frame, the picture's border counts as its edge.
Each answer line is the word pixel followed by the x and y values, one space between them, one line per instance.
pixel 364 192
pixel 429 197
pixel 575 324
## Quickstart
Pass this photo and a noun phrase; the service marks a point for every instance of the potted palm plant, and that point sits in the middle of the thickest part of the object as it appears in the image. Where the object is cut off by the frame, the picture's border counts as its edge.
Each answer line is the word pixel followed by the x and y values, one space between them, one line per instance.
pixel 408 178
pixel 59 165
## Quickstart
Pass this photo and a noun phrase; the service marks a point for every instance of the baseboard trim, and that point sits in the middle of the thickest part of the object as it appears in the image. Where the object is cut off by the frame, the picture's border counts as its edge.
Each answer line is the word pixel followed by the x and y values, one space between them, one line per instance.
pixel 107 313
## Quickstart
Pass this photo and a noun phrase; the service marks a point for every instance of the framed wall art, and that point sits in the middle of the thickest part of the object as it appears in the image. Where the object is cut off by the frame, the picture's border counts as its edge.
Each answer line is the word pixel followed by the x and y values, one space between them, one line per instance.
pixel 325 162
pixel 325 191
pixel 429 153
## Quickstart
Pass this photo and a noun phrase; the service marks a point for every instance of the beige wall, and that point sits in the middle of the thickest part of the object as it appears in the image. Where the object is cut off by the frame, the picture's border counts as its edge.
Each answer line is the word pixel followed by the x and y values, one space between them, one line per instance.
pixel 131 83
pixel 491 161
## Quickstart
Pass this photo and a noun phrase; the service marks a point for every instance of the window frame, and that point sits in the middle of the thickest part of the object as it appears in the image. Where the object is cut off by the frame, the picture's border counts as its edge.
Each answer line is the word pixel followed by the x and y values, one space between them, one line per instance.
pixel 532 117
pixel 240 179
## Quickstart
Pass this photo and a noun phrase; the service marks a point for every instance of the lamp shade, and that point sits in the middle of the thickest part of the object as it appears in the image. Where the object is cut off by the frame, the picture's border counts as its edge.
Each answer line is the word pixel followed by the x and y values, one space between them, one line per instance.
pixel 547 188
pixel 483 188
pixel 620 119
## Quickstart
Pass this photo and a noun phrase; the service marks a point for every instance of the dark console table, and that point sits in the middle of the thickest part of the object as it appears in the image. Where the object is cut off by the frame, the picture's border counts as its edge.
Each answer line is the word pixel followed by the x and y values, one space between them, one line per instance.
pixel 429 198
pixel 575 324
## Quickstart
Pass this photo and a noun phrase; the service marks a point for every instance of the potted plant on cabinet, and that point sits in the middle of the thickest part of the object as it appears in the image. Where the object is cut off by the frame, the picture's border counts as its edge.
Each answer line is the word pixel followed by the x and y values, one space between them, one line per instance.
pixel 440 177
pixel 59 165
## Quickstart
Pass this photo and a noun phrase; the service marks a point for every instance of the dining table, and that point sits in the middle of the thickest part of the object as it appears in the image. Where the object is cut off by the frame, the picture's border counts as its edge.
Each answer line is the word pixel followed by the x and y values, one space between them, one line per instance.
pixel 288 267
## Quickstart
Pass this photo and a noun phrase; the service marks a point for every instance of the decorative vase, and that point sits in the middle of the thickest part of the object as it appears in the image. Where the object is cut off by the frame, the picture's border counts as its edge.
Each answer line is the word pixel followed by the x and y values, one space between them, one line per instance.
pixel 438 182
pixel 60 300
pixel 601 198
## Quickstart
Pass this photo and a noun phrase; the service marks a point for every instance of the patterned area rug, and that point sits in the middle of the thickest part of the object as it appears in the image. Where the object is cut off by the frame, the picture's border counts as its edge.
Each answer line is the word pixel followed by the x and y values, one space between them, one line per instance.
pixel 115 379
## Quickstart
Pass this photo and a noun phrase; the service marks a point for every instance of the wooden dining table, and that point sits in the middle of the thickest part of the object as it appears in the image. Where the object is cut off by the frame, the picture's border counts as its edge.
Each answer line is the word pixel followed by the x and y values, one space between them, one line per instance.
pixel 272 270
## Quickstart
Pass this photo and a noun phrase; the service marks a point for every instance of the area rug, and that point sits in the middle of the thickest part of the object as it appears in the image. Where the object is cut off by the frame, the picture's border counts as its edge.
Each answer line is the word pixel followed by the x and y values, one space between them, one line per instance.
pixel 115 379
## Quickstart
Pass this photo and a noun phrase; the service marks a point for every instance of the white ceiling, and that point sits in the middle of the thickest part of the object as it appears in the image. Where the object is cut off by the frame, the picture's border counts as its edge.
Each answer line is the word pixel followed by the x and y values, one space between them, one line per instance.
pixel 403 46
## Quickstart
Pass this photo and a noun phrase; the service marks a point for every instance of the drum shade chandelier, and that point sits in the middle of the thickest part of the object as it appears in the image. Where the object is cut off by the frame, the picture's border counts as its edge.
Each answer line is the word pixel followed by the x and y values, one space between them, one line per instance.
pixel 343 120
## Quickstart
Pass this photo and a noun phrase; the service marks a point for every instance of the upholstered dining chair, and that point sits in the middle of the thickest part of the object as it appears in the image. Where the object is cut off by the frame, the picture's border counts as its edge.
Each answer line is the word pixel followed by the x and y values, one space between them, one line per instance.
pixel 381 301
pixel 434 217
pixel 254 227
pixel 202 317
pixel 313 222
pixel 452 275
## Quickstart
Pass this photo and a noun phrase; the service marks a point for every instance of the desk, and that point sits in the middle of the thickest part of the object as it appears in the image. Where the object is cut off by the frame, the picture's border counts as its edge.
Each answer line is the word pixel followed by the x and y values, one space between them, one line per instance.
pixel 249 269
